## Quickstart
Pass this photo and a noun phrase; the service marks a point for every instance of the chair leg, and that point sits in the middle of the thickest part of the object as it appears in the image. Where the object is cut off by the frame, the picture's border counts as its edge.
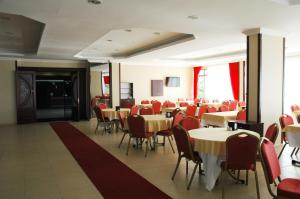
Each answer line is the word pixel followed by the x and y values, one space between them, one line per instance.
pixel 257 187
pixel 192 177
pixel 293 152
pixel 122 140
pixel 171 145
pixel 164 141
pixel 177 165
pixel 97 127
pixel 282 150
pixel 128 145
pixel 147 147
pixel 297 151
pixel 238 177
pixel 186 167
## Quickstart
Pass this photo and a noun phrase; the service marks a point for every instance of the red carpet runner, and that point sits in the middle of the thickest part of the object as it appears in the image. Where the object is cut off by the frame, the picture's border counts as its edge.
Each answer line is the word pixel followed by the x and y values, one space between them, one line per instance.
pixel 112 178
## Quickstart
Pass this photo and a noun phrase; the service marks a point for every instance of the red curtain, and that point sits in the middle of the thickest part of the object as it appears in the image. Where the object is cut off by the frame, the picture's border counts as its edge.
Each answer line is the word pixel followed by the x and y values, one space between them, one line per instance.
pixel 196 74
pixel 106 79
pixel 235 79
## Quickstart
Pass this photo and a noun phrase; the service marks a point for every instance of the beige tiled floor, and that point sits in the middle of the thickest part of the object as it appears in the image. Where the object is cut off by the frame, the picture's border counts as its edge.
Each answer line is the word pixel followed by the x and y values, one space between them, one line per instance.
pixel 34 163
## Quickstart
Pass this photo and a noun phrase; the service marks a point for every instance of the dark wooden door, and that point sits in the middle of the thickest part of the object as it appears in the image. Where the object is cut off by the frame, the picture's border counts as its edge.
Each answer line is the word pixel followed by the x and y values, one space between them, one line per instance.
pixel 26 99
pixel 75 96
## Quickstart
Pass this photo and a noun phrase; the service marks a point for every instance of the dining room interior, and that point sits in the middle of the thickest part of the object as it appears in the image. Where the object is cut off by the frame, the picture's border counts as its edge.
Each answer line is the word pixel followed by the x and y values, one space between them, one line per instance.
pixel 149 99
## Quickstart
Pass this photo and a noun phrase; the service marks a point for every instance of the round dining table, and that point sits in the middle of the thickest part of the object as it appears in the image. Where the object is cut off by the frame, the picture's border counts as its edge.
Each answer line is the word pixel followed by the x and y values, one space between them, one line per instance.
pixel 112 114
pixel 210 143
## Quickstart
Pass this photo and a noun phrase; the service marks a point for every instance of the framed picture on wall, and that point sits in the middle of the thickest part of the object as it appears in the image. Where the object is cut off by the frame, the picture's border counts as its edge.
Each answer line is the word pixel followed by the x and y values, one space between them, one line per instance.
pixel 157 87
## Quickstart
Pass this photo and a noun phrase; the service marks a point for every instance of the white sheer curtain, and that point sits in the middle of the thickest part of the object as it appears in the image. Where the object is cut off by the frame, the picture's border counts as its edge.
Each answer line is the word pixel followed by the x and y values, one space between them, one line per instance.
pixel 217 83
pixel 291 83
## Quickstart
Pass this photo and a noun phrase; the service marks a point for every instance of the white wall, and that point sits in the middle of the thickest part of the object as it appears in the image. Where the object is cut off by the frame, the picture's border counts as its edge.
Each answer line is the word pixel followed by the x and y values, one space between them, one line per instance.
pixel 115 80
pixel 141 77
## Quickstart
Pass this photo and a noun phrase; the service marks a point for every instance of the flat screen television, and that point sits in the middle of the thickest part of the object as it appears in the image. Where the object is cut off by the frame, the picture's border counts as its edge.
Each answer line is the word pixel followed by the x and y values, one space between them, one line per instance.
pixel 172 81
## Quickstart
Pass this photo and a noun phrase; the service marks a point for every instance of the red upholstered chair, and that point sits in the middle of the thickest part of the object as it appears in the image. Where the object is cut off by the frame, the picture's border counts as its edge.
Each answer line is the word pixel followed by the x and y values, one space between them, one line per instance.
pixel 242 104
pixel 145 102
pixel 223 108
pixel 226 103
pixel 196 101
pixel 183 104
pixel 286 188
pixel 241 150
pixel 136 124
pixel 233 105
pixel 202 110
pixel 295 107
pixel 102 121
pixel 102 106
pixel 284 121
pixel 156 106
pixel 146 111
pixel 272 132
pixel 211 109
pixel 152 101
pixel 185 150
pixel 168 133
pixel 171 104
pixel 189 123
pixel 134 110
pixel 175 111
pixel 168 104
pixel 241 115
pixel 121 117
pixel 191 110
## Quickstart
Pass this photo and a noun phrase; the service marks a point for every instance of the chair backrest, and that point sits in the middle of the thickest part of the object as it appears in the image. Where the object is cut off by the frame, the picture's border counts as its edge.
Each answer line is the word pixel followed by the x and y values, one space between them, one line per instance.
pixel 272 132
pixel 136 124
pixel 295 107
pixel 99 114
pixel 211 109
pixel 167 104
pixel 241 150
pixel 121 116
pixel 177 118
pixel 298 118
pixel 242 103
pixel 152 101
pixel 191 110
pixel 146 111
pixel 241 115
pixel 145 102
pixel 269 161
pixel 134 110
pixel 233 105
pixel 183 142
pixel 202 110
pixel 285 120
pixel 226 102
pixel 189 123
pixel 102 106
pixel 156 106
pixel 171 104
pixel 183 104
pixel 175 111
pixel 223 108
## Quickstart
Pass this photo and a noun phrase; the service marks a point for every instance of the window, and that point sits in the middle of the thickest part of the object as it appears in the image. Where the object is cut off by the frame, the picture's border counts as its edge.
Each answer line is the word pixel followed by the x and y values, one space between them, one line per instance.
pixel 214 83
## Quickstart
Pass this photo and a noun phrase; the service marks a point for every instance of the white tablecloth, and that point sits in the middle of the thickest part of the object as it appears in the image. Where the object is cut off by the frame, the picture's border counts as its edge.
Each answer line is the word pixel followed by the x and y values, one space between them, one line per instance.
pixel 293 135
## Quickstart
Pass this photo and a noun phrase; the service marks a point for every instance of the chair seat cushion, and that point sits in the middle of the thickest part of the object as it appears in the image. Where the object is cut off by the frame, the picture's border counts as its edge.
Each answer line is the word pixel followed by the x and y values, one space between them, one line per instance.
pixel 289 188
pixel 164 133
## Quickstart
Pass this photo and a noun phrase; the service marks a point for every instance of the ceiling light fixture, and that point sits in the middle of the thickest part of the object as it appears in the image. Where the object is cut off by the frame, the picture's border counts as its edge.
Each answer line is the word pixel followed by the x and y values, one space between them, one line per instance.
pixel 95 2
pixel 193 17
pixel 109 40
pixel 156 33
pixel 128 30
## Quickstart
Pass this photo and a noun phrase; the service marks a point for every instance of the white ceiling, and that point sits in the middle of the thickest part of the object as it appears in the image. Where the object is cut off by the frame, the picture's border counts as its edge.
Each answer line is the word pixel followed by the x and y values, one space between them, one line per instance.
pixel 74 25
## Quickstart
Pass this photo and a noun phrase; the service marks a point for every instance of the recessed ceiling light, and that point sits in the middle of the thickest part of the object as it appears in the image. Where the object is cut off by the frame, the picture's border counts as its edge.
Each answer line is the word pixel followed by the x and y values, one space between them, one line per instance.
pixel 156 33
pixel 95 2
pixel 193 17
pixel 109 40
pixel 128 30
pixel 116 50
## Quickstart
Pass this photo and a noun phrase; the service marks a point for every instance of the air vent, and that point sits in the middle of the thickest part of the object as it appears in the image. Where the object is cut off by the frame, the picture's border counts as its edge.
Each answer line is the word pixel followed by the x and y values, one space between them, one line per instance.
pixel 95 2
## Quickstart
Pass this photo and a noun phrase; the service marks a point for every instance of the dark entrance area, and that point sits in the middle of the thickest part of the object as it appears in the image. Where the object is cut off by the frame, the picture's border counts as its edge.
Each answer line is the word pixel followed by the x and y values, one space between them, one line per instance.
pixel 54 96
pixel 48 94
